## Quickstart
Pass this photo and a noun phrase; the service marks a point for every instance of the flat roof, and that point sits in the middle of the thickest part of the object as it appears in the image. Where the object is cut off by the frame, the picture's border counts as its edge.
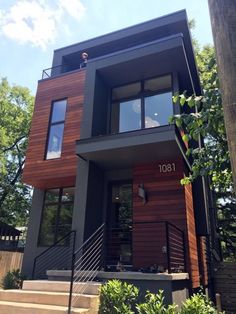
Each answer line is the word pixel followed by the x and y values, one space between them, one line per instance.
pixel 161 27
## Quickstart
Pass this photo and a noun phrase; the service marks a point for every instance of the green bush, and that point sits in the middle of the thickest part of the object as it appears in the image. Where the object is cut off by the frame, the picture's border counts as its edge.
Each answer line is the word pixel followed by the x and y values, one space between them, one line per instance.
pixel 121 297
pixel 118 297
pixel 155 305
pixel 198 304
pixel 13 280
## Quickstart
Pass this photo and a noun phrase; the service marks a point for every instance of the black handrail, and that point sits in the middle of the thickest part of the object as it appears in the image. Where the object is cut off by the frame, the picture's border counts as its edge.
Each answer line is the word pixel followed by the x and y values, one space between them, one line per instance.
pixel 92 244
pixel 173 243
pixel 70 236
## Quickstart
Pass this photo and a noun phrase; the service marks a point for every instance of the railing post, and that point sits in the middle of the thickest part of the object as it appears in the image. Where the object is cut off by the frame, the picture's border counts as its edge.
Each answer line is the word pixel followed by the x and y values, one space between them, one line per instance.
pixel 168 247
pixel 184 252
pixel 33 271
pixel 72 274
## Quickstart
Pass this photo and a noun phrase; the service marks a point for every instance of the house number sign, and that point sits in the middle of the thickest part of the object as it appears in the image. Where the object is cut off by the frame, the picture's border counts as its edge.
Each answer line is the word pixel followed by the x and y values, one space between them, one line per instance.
pixel 170 167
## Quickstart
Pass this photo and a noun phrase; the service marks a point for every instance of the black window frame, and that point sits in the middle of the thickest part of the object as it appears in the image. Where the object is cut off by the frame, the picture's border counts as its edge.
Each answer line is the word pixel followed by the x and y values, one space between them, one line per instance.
pixel 59 204
pixel 140 96
pixel 50 124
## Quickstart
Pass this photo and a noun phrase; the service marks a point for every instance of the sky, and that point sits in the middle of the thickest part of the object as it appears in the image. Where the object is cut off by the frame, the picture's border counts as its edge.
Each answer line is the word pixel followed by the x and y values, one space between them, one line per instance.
pixel 30 30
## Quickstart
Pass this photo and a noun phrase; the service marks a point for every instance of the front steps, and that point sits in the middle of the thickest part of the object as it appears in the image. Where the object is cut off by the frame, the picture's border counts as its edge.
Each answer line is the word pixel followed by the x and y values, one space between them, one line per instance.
pixel 45 297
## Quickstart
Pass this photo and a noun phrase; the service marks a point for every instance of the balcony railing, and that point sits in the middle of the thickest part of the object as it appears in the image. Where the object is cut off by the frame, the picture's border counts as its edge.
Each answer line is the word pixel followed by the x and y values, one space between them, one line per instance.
pixel 47 73
pixel 57 70
pixel 147 246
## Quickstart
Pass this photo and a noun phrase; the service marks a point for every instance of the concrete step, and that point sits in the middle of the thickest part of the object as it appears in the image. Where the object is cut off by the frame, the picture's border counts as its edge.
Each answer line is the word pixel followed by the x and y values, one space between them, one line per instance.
pixel 60 286
pixel 29 308
pixel 50 298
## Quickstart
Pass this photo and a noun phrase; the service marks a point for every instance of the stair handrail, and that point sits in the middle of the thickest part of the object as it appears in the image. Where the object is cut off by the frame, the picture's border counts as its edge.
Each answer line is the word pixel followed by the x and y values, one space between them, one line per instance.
pixel 72 232
pixel 88 262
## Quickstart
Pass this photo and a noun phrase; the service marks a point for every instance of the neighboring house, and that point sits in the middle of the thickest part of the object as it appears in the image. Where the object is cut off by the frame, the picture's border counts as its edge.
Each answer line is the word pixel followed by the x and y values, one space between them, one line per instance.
pixel 101 149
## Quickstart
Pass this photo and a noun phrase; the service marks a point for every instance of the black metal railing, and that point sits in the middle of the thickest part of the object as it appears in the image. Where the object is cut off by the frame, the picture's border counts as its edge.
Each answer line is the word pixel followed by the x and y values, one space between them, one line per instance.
pixel 85 265
pixel 146 245
pixel 53 71
pixel 57 70
pixel 58 256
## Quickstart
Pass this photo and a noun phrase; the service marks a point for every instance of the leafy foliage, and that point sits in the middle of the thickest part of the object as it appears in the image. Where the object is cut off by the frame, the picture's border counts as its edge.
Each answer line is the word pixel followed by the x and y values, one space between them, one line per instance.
pixel 13 280
pixel 16 105
pixel 198 304
pixel 118 297
pixel 155 305
pixel 212 160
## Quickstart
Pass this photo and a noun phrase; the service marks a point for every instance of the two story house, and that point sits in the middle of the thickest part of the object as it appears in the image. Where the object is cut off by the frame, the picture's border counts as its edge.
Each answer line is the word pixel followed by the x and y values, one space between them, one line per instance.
pixel 102 150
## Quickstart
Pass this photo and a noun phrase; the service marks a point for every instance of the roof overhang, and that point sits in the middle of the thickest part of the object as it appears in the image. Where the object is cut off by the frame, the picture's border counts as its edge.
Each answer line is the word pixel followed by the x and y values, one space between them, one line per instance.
pixel 136 35
pixel 126 149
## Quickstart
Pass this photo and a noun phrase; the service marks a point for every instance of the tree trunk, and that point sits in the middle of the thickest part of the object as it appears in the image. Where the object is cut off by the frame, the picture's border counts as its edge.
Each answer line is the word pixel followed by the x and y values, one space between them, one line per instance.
pixel 223 21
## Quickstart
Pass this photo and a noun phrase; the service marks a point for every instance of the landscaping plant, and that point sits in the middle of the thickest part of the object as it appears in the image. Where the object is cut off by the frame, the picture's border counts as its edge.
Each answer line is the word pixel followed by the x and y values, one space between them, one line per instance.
pixel 13 280
pixel 155 305
pixel 118 297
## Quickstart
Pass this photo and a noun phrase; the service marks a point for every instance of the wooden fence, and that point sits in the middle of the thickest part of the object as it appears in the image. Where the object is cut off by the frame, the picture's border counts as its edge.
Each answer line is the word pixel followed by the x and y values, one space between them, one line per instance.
pixel 9 261
pixel 225 284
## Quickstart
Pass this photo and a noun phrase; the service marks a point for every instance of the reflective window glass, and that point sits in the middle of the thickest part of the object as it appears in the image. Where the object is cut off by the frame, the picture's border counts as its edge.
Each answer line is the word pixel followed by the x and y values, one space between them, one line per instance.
pixel 48 225
pixel 52 196
pixel 56 217
pixel 68 195
pixel 126 91
pixel 158 83
pixel 158 109
pixel 130 115
pixel 59 111
pixel 55 141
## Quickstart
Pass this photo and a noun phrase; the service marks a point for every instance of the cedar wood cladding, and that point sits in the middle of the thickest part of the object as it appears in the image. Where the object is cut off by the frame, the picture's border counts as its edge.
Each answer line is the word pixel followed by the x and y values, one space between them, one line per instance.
pixel 169 201
pixel 59 172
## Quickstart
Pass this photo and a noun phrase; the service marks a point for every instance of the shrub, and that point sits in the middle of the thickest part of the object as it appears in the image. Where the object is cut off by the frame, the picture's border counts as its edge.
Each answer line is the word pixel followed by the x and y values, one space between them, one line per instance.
pixel 13 280
pixel 118 297
pixel 155 305
pixel 198 304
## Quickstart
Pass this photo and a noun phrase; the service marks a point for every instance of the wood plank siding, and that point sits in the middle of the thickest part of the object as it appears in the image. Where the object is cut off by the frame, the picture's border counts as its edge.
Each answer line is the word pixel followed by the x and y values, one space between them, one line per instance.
pixel 59 172
pixel 168 201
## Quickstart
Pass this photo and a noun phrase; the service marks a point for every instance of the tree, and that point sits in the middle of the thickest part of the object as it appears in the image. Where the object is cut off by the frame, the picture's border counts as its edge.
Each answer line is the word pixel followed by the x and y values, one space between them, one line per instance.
pixel 223 16
pixel 211 159
pixel 16 105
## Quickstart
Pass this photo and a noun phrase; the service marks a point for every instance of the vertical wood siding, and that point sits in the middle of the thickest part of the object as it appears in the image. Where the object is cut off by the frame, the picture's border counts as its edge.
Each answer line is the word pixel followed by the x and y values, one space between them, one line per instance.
pixel 9 261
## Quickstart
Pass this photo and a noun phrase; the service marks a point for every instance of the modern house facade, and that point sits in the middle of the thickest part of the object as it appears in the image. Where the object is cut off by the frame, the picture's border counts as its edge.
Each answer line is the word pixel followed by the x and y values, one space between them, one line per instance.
pixel 101 149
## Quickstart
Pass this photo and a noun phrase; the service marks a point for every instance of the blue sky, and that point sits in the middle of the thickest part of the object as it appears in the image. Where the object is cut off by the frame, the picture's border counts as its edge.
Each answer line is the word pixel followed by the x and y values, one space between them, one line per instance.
pixel 31 29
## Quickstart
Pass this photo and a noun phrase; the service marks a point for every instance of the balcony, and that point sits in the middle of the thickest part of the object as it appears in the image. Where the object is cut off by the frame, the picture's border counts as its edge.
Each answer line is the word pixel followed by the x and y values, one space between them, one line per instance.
pixel 123 150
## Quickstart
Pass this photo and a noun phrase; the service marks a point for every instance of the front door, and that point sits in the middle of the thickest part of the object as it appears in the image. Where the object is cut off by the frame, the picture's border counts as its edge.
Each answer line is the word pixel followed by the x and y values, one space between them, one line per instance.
pixel 119 224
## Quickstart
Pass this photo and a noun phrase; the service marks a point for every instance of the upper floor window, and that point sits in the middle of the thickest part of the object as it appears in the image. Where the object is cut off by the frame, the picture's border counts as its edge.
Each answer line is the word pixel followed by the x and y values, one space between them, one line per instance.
pixel 140 105
pixel 56 215
pixel 56 129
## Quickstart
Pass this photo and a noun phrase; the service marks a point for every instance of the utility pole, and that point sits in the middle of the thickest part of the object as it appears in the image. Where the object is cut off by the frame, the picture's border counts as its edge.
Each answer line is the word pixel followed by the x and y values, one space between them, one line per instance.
pixel 223 21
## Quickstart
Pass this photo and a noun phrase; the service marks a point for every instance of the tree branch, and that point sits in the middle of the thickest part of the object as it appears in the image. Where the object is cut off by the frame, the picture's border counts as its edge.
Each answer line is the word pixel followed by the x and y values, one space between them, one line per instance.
pixel 13 145
pixel 12 183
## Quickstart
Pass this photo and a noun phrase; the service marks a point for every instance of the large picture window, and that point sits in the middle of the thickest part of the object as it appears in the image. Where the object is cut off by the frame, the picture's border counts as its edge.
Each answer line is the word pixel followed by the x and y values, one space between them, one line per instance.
pixel 140 105
pixel 56 129
pixel 56 215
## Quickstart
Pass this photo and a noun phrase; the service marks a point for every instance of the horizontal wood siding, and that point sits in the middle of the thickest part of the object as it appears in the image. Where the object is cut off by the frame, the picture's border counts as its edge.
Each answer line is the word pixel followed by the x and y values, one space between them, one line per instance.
pixel 203 261
pixel 166 201
pixel 191 238
pixel 43 173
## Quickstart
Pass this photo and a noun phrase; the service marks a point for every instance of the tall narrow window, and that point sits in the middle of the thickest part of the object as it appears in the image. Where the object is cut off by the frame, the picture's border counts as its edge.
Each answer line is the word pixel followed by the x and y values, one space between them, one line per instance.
pixel 56 129
pixel 56 215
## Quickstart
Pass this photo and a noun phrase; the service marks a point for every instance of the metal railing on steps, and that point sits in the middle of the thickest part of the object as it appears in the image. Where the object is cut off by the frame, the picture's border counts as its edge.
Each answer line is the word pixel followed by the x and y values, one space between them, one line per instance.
pixel 86 263
pixel 58 256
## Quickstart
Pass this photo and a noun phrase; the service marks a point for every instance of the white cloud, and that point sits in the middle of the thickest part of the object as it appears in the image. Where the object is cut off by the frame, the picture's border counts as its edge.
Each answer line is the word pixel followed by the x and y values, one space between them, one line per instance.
pixel 73 7
pixel 36 22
